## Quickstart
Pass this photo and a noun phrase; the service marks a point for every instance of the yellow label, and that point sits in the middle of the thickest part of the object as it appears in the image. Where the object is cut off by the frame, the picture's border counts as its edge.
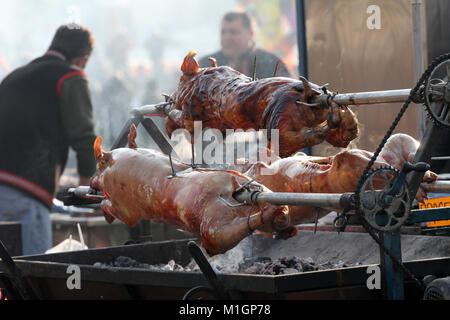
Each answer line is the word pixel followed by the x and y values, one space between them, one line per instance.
pixel 436 203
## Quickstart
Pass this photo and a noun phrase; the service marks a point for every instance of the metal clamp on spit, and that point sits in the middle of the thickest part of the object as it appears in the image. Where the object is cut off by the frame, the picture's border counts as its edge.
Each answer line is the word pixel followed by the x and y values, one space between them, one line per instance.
pixel 250 195
pixel 82 195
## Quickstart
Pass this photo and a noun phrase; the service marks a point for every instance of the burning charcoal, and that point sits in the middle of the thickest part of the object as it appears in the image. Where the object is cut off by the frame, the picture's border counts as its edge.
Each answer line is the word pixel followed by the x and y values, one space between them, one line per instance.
pixel 154 268
pixel 274 268
pixel 127 262
pixel 308 265
pixel 254 263
pixel 192 265
pixel 289 262
pixel 340 264
pixel 309 260
pixel 326 266
pixel 263 259
pixel 178 267
pixel 124 262
pixel 166 267
pixel 298 266
pixel 290 271
pixel 256 268
pixel 101 265
pixel 248 262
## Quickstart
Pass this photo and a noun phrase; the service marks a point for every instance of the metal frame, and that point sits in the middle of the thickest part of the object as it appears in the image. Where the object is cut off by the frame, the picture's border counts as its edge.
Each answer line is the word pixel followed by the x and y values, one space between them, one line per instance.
pixel 393 278
pixel 48 273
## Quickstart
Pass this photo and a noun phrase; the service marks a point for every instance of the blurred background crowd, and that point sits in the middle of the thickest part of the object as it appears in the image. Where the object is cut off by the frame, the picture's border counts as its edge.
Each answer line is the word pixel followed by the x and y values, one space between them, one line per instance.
pixel 140 44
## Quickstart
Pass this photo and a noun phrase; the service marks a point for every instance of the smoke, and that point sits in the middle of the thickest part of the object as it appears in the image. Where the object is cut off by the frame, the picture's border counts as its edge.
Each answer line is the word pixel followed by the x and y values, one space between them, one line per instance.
pixel 231 260
pixel 220 152
pixel 139 47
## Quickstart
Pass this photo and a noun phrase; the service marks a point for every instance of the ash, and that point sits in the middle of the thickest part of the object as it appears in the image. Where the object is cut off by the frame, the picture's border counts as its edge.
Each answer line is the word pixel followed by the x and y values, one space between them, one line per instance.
pixel 286 265
pixel 127 262
pixel 259 265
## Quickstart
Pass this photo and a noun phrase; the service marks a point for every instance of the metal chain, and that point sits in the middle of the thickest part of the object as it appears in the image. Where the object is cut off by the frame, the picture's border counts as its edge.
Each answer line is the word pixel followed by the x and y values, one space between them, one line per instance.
pixel 394 124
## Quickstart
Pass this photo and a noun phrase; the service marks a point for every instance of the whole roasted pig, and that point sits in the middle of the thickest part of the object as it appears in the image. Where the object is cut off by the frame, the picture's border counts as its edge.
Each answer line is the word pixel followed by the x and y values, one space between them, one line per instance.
pixel 335 174
pixel 137 184
pixel 222 98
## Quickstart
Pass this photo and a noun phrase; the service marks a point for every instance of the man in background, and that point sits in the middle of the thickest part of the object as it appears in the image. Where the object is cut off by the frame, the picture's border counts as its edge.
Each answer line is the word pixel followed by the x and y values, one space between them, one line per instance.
pixel 239 51
pixel 45 107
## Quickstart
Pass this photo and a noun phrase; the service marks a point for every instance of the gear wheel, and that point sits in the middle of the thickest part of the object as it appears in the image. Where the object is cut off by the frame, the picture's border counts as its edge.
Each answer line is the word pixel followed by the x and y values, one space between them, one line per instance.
pixel 437 94
pixel 384 199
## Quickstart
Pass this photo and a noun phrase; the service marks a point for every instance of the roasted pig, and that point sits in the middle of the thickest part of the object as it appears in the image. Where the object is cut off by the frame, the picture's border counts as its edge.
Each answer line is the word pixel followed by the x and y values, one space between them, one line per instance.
pixel 137 184
pixel 335 174
pixel 222 98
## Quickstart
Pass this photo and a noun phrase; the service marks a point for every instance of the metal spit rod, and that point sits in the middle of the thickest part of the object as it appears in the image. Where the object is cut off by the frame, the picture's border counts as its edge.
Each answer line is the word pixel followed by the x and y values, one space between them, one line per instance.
pixel 357 98
pixel 151 109
pixel 436 187
pixel 287 198
pixel 321 199
pixel 372 97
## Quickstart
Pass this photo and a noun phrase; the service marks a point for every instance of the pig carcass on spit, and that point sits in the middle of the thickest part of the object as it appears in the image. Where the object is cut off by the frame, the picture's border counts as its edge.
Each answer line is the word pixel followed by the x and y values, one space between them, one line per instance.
pixel 335 174
pixel 137 186
pixel 223 98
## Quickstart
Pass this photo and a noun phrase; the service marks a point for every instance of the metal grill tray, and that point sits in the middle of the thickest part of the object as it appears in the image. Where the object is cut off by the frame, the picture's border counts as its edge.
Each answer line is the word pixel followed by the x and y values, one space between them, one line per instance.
pixel 48 275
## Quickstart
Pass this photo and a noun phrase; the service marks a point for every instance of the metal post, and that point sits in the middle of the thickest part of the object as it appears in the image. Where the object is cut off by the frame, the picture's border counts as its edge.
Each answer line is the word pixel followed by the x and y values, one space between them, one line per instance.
pixel 418 60
pixel 302 47
pixel 121 140
pixel 392 274
pixel 423 154
pixel 301 39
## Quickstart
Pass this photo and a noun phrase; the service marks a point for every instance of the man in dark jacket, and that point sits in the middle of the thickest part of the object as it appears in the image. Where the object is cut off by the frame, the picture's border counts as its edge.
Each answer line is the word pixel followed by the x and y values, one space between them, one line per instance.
pixel 239 51
pixel 45 107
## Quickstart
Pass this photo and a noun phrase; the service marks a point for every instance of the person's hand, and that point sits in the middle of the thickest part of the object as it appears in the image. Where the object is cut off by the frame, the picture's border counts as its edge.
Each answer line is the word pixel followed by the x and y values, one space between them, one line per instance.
pixel 84 181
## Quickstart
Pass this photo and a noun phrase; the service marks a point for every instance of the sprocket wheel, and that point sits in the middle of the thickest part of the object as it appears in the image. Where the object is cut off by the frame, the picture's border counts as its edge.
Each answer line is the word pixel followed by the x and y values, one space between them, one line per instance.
pixel 437 94
pixel 384 200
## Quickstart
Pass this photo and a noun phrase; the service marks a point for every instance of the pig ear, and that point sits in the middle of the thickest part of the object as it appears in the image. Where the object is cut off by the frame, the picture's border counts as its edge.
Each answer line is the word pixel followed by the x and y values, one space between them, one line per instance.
pixel 267 155
pixel 255 169
pixel 308 89
pixel 103 158
pixel 190 65
pixel 98 150
pixel 213 62
pixel 132 137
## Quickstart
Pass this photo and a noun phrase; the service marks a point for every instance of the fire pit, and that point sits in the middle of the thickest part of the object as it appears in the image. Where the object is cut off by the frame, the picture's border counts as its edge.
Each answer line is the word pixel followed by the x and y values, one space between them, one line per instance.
pixel 132 278
pixel 256 265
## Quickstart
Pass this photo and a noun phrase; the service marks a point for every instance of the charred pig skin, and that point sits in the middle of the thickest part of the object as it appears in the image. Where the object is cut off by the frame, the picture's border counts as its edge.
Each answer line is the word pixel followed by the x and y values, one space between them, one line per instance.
pixel 222 98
